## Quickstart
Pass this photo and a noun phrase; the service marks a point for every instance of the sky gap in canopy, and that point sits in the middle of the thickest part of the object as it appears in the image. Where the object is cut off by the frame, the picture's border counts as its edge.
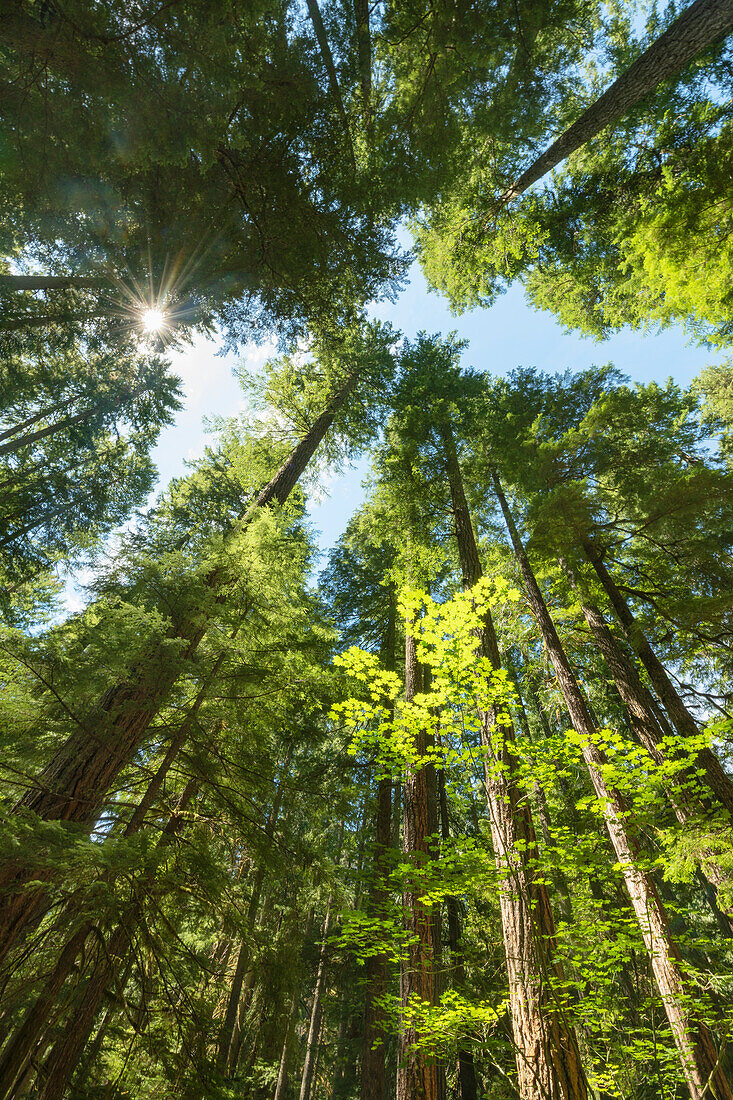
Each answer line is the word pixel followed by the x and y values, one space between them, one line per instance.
pixel 508 335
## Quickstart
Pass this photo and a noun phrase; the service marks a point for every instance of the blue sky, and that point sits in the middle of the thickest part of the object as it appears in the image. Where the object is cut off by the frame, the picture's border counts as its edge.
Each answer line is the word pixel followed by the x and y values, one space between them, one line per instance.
pixel 508 335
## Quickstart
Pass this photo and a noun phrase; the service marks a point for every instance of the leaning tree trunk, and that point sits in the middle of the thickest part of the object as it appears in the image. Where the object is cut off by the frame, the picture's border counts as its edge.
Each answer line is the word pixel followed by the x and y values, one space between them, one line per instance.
pixel 714 774
pixel 373 1073
pixel 364 53
pixel 74 785
pixel 547 1055
pixel 22 1042
pixel 650 727
pixel 420 1076
pixel 333 81
pixel 100 409
pixel 66 1051
pixel 702 24
pixel 699 1059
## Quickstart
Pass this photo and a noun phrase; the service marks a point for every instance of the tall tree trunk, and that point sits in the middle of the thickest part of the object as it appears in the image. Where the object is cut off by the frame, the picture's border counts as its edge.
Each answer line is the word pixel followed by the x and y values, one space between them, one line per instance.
pixel 696 1049
pixel 466 1070
pixel 333 82
pixel 419 1075
pixel 650 727
pixel 557 875
pixel 281 1086
pixel 22 1042
pixel 548 1059
pixel 702 24
pixel 715 776
pixel 364 53
pixel 75 783
pixel 314 1030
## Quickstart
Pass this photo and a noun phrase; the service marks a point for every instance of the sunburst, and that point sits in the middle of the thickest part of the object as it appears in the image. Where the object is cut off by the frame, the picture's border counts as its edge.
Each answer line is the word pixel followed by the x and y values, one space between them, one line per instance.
pixel 153 319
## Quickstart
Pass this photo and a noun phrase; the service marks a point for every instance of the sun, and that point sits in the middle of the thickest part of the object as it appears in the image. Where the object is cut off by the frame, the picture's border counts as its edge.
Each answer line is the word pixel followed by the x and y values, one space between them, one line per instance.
pixel 153 320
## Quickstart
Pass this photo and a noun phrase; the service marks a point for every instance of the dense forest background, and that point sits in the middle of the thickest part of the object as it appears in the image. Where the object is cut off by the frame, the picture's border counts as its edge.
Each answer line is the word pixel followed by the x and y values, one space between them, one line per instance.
pixel 447 815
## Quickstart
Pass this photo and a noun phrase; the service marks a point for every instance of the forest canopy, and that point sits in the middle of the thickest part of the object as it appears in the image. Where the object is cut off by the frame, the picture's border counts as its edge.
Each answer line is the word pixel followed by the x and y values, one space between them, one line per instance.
pixel 445 813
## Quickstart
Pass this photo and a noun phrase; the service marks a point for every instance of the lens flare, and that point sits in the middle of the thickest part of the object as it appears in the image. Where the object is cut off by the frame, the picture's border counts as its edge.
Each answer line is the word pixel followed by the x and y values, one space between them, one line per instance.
pixel 153 320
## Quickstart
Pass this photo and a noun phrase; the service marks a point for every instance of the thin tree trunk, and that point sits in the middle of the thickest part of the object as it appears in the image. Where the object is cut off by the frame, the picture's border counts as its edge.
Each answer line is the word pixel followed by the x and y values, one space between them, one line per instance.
pixel 42 414
pixel 314 1029
pixel 546 1046
pixel 715 776
pixel 75 783
pixel 559 880
pixel 701 25
pixel 22 1042
pixel 696 1049
pixel 282 1075
pixel 15 445
pixel 37 320
pixel 92 1049
pixel 228 1039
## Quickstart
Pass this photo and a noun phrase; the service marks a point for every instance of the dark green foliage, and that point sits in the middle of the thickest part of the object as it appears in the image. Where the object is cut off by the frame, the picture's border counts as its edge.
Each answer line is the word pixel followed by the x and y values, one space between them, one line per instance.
pixel 243 903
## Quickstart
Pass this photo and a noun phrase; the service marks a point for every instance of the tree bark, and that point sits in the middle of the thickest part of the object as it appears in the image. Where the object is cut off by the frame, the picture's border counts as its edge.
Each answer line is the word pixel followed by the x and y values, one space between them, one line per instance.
pixel 419 1075
pixel 714 774
pixel 21 1044
pixel 74 784
pixel 546 1046
pixel 466 1070
pixel 695 1046
pixel 701 25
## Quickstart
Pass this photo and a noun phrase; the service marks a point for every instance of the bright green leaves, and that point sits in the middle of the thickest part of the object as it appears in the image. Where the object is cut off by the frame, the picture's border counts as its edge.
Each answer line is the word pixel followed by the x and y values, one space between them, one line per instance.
pixel 455 1018
pixel 462 683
